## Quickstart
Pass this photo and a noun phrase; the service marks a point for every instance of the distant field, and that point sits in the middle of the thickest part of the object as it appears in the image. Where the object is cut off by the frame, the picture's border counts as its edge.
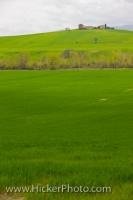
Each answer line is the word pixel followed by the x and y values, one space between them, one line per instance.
pixel 71 127
pixel 68 49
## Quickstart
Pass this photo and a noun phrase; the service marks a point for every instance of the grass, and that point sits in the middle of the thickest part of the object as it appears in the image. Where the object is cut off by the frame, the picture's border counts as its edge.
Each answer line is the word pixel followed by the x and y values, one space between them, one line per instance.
pixel 93 48
pixel 67 127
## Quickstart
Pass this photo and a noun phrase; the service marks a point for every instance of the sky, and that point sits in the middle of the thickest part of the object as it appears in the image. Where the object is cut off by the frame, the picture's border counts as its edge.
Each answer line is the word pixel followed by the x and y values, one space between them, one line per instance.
pixel 34 16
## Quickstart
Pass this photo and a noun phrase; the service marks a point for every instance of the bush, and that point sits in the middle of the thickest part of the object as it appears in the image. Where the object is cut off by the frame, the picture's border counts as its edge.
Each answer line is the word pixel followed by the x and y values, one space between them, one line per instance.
pixel 22 61
pixel 67 54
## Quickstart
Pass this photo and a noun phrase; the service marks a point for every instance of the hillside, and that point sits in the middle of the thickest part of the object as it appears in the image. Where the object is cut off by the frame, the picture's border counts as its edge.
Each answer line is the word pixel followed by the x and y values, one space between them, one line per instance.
pixel 94 45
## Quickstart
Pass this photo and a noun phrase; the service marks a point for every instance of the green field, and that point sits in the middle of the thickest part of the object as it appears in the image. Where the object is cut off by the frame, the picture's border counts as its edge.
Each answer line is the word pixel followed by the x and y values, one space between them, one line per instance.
pixel 68 49
pixel 71 127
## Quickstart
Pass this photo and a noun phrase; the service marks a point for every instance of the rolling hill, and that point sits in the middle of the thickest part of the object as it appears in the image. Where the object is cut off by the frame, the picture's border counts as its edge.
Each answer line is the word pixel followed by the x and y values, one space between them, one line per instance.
pixel 89 47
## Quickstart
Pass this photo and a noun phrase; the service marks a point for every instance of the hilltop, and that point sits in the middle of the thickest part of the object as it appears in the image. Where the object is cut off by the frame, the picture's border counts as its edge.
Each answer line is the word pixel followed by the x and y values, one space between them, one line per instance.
pixel 59 48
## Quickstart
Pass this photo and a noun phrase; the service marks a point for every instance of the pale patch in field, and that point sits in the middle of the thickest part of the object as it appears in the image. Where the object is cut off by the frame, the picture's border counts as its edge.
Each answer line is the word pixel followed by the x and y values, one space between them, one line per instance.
pixel 129 90
pixel 103 99
pixel 7 197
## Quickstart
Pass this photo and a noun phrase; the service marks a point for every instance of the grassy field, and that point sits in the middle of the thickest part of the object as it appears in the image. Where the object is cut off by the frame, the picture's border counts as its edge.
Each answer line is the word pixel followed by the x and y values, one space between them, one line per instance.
pixel 73 127
pixel 68 49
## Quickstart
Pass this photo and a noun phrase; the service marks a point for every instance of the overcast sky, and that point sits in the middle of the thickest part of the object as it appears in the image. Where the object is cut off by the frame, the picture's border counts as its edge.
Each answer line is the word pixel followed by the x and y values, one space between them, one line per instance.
pixel 30 16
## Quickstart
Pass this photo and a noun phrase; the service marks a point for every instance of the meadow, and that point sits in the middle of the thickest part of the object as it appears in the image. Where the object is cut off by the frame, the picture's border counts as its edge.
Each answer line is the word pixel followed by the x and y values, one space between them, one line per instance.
pixel 68 49
pixel 67 126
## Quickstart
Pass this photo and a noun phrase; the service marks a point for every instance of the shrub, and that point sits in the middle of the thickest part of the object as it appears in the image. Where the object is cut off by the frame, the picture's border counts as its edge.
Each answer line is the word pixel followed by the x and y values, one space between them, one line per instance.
pixel 22 61
pixel 67 54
